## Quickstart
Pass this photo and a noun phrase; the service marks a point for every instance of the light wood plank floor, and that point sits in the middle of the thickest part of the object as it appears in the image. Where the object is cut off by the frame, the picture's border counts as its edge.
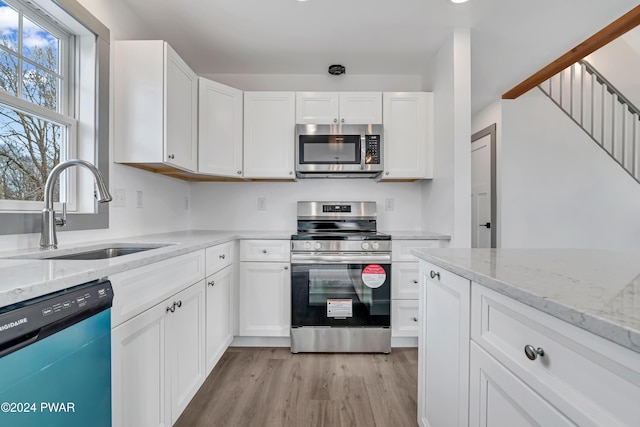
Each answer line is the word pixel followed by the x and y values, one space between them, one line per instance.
pixel 270 387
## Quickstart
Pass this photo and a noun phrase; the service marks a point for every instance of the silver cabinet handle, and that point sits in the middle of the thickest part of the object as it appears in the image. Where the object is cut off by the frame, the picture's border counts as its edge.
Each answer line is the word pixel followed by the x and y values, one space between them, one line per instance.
pixel 221 256
pixel 434 275
pixel 532 353
pixel 335 120
pixel 342 120
pixel 179 303
pixel 211 283
pixel 239 172
pixel 171 308
pixel 386 173
pixel 171 156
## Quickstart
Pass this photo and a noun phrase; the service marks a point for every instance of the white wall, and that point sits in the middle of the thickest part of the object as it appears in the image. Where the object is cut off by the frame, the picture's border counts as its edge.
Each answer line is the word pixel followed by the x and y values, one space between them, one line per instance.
pixel 234 205
pixel 163 198
pixel 488 116
pixel 446 203
pixel 559 189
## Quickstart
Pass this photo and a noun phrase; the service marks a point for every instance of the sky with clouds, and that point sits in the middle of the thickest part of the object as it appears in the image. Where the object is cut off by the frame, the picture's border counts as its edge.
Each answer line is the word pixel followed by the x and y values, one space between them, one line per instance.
pixel 33 35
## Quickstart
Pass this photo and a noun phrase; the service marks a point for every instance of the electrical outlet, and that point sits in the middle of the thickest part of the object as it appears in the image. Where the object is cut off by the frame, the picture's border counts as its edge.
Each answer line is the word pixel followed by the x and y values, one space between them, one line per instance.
pixel 388 204
pixel 262 204
pixel 119 198
pixel 139 199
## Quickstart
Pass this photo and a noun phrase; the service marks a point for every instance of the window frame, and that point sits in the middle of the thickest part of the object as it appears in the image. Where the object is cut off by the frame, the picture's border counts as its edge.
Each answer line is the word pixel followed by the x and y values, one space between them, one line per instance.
pixel 94 56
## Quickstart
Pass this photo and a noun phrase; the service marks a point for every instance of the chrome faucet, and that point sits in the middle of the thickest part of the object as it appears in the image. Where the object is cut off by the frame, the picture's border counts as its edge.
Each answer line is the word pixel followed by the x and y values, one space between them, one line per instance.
pixel 48 238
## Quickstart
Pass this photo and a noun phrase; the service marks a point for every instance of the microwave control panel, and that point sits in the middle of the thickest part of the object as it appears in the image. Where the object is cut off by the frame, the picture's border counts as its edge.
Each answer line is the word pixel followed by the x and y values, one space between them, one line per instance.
pixel 372 149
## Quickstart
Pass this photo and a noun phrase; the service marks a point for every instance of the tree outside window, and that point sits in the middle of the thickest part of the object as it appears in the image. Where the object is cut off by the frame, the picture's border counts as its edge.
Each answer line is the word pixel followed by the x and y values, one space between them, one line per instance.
pixel 31 144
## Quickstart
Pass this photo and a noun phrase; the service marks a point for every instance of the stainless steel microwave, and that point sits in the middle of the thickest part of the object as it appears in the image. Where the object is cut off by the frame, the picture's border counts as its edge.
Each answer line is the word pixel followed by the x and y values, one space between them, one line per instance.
pixel 338 151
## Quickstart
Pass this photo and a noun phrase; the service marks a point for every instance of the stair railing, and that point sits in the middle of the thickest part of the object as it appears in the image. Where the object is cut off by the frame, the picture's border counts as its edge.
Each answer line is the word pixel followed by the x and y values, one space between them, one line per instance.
pixel 604 113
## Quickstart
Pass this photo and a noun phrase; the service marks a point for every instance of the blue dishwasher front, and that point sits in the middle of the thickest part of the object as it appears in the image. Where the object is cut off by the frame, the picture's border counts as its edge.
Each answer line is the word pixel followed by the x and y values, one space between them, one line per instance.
pixel 55 359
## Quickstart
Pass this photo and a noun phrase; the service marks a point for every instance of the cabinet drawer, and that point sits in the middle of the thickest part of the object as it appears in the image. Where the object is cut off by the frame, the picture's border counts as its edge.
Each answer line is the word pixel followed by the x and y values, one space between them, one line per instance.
pixel 588 378
pixel 404 318
pixel 264 250
pixel 139 289
pixel 218 257
pixel 405 280
pixel 401 249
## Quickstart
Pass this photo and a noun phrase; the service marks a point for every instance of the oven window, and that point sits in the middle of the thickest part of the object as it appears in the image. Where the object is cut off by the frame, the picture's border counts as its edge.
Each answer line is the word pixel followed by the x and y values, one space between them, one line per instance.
pixel 330 149
pixel 337 283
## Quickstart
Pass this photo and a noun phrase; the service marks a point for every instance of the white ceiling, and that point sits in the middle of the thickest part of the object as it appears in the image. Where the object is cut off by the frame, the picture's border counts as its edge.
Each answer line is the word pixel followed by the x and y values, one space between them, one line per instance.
pixel 511 39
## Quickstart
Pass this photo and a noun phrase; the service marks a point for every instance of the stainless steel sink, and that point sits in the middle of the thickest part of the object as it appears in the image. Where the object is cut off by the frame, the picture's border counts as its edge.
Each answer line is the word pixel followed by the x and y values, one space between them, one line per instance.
pixel 96 252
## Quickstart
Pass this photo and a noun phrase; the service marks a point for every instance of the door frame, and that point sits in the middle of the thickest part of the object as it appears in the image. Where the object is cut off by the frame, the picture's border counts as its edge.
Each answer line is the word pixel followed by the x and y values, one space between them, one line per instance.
pixel 491 131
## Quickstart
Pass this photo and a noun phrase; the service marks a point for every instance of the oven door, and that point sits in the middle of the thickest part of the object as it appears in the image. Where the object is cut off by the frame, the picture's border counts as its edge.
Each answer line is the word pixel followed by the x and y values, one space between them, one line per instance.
pixel 341 294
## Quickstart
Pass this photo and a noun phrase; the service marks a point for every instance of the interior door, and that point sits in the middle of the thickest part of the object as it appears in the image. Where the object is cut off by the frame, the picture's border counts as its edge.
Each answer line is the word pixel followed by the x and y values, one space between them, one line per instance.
pixel 483 223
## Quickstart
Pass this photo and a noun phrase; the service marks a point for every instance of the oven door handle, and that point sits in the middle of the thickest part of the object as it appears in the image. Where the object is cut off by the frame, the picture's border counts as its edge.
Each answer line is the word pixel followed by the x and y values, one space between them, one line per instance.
pixel 340 259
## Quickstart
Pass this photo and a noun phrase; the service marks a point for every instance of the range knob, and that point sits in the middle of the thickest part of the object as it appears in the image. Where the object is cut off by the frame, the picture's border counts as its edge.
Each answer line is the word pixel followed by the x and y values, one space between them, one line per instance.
pixel 318 245
pixel 307 245
pixel 375 245
pixel 365 245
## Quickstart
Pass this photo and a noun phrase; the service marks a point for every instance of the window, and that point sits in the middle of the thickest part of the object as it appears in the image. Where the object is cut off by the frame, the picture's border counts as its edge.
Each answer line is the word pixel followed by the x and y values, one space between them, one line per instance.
pixel 54 60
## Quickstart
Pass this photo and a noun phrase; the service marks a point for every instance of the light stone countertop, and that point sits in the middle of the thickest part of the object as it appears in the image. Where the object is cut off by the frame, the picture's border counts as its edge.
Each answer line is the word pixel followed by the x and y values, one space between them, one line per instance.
pixel 596 290
pixel 23 279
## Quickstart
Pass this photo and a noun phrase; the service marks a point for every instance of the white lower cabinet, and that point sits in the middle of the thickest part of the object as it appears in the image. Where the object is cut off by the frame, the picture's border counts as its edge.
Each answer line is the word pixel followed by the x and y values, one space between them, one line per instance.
pixel 158 360
pixel 443 348
pixel 219 332
pixel 474 368
pixel 500 399
pixel 265 288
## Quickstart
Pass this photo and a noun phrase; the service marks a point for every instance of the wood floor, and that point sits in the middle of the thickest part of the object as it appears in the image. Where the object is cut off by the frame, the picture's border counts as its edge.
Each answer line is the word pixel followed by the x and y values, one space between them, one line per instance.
pixel 270 387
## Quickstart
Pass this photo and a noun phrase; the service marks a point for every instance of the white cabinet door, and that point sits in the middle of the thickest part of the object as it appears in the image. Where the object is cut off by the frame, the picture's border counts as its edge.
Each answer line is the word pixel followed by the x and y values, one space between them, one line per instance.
pixel 139 370
pixel 500 399
pixel 219 315
pixel 265 299
pixel 408 135
pixel 443 348
pixel 404 318
pixel 219 129
pixel 317 107
pixel 155 106
pixel 361 108
pixel 269 135
pixel 181 112
pixel 185 346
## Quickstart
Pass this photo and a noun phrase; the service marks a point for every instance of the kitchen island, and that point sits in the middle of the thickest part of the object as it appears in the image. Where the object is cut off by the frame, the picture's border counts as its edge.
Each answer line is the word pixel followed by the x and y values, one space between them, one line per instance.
pixel 531 336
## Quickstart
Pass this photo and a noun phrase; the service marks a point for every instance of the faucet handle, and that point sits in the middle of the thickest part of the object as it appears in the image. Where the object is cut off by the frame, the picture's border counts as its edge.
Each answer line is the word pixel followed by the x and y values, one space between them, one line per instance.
pixel 62 221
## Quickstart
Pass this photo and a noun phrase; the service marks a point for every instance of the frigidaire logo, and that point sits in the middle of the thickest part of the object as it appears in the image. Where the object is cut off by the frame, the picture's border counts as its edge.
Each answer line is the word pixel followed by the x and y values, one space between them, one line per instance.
pixel 13 324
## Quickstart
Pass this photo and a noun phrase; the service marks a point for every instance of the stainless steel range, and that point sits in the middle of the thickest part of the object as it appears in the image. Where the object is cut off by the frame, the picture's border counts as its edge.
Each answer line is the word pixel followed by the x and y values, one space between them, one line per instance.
pixel 340 279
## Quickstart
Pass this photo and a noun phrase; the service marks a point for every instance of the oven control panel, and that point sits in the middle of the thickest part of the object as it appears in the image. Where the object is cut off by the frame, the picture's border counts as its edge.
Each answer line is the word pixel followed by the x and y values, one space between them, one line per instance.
pixel 340 246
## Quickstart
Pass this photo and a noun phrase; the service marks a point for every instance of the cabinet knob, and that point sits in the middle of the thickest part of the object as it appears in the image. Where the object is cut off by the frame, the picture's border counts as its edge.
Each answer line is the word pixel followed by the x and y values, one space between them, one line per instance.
pixel 415 281
pixel 211 283
pixel 415 319
pixel 264 251
pixel 286 267
pixel 435 274
pixel 171 156
pixel 290 172
pixel 221 256
pixel 386 173
pixel 342 120
pixel 335 120
pixel 239 172
pixel 532 353
pixel 171 308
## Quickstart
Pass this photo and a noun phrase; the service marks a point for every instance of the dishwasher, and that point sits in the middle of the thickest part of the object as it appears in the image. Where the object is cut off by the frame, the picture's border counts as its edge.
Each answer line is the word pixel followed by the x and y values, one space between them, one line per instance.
pixel 55 358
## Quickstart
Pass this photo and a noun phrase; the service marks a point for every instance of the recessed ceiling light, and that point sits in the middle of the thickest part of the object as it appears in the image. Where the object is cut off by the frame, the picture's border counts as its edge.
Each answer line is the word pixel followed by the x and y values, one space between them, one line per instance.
pixel 455 1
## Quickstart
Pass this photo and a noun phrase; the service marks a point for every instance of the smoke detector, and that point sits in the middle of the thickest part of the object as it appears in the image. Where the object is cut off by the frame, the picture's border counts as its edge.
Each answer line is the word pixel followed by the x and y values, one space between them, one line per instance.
pixel 337 69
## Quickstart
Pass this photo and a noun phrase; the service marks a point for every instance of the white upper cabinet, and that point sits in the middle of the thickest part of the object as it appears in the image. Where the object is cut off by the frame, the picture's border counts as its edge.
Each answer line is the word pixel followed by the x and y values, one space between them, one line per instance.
pixel 269 135
pixel 156 101
pixel 339 107
pixel 408 136
pixel 219 129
